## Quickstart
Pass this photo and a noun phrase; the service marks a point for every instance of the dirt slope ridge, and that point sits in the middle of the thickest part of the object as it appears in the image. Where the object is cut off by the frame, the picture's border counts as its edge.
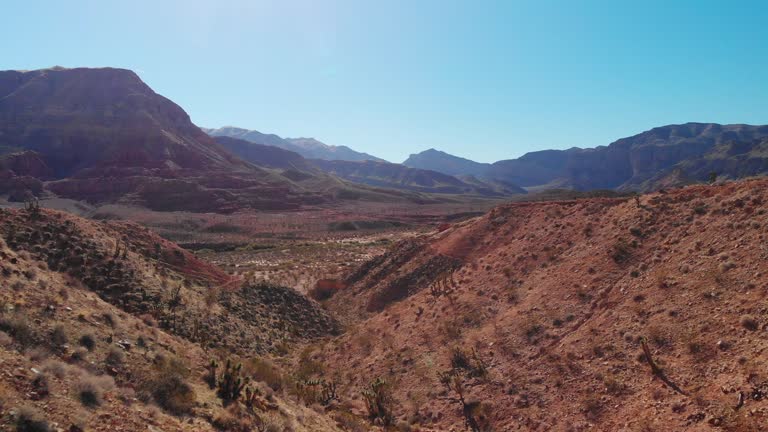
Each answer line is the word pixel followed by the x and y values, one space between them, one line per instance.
pixel 556 299
pixel 134 269
pixel 107 327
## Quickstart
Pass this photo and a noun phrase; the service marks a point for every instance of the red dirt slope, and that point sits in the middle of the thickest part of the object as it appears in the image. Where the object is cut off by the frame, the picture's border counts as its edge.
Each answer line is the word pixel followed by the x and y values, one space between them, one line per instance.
pixel 556 299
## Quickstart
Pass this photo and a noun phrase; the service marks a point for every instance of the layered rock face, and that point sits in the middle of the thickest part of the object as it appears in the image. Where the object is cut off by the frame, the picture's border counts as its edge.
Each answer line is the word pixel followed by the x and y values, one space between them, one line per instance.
pixel 103 135
pixel 641 162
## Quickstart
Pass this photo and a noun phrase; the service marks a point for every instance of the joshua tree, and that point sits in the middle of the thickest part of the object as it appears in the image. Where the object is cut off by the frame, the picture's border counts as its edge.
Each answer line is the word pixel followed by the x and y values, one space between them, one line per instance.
pixel 210 378
pixel 453 383
pixel 378 401
pixel 231 384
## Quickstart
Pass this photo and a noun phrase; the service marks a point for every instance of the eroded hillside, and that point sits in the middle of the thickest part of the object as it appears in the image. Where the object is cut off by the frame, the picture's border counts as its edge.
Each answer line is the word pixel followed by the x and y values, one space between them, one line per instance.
pixel 106 326
pixel 538 313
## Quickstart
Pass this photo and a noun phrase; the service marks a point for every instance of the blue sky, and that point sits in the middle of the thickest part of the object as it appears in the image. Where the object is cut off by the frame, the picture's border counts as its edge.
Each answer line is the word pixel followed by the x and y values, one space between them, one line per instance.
pixel 482 79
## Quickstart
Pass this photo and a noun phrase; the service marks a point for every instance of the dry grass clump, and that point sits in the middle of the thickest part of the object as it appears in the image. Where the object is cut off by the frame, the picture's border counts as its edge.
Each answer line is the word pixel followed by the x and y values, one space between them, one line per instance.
pixel 87 341
pixel 165 384
pixel 18 327
pixel 59 336
pixel 350 422
pixel 5 340
pixel 749 322
pixel 263 370
pixel 308 366
pixel 90 389
pixel 41 385
pixel 592 407
pixel 79 355
pixel 115 357
pixel 233 419
pixel 29 419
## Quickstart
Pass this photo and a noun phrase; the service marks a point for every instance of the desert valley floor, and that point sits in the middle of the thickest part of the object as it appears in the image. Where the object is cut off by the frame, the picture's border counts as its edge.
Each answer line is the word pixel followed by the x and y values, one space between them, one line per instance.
pixel 622 313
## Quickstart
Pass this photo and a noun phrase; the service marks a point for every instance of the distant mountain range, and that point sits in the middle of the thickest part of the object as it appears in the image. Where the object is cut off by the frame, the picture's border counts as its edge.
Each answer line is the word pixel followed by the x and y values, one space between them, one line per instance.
pixel 661 157
pixel 437 160
pixel 397 176
pixel 371 173
pixel 310 148
pixel 102 135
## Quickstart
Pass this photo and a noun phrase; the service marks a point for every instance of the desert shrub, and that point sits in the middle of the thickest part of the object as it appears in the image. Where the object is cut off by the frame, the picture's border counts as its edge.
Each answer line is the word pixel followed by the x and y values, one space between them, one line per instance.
pixel 30 274
pixel 110 319
pixel 233 419
pixel 350 422
pixel 261 369
pixel 59 336
pixel 481 413
pixel 148 320
pixel 614 386
pixel 79 355
pixel 533 331
pixel 749 322
pixel 308 366
pixel 451 329
pixel 459 359
pixel 126 395
pixel 700 209
pixel 41 385
pixel 211 296
pixel 29 419
pixel 476 414
pixel 659 336
pixel 5 339
pixel 166 384
pixel 115 357
pixel 88 341
pixel 316 391
pixel 592 407
pixel 38 353
pixel 18 327
pixel 55 368
pixel 470 362
pixel 174 394
pixel 621 251
pixel 90 389
pixel 403 427
pixel 275 426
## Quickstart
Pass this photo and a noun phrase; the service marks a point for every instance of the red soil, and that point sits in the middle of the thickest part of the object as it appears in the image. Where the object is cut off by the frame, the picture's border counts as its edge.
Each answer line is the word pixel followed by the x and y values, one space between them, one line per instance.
pixel 556 298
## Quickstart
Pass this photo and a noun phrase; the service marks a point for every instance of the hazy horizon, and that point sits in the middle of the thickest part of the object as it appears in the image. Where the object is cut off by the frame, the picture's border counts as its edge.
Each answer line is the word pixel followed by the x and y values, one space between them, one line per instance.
pixel 484 81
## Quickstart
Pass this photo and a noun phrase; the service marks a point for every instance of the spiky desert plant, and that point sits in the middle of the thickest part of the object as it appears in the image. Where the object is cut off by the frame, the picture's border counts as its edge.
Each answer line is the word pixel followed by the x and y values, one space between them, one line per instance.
pixel 231 384
pixel 379 401
pixel 210 378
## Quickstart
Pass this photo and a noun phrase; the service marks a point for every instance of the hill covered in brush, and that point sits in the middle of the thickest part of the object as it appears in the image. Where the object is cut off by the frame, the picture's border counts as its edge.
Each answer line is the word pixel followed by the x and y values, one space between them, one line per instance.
pixel 642 313
pixel 107 326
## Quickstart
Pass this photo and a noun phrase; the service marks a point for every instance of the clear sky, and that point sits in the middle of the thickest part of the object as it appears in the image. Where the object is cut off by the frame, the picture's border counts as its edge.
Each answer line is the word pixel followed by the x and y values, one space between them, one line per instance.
pixel 481 79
